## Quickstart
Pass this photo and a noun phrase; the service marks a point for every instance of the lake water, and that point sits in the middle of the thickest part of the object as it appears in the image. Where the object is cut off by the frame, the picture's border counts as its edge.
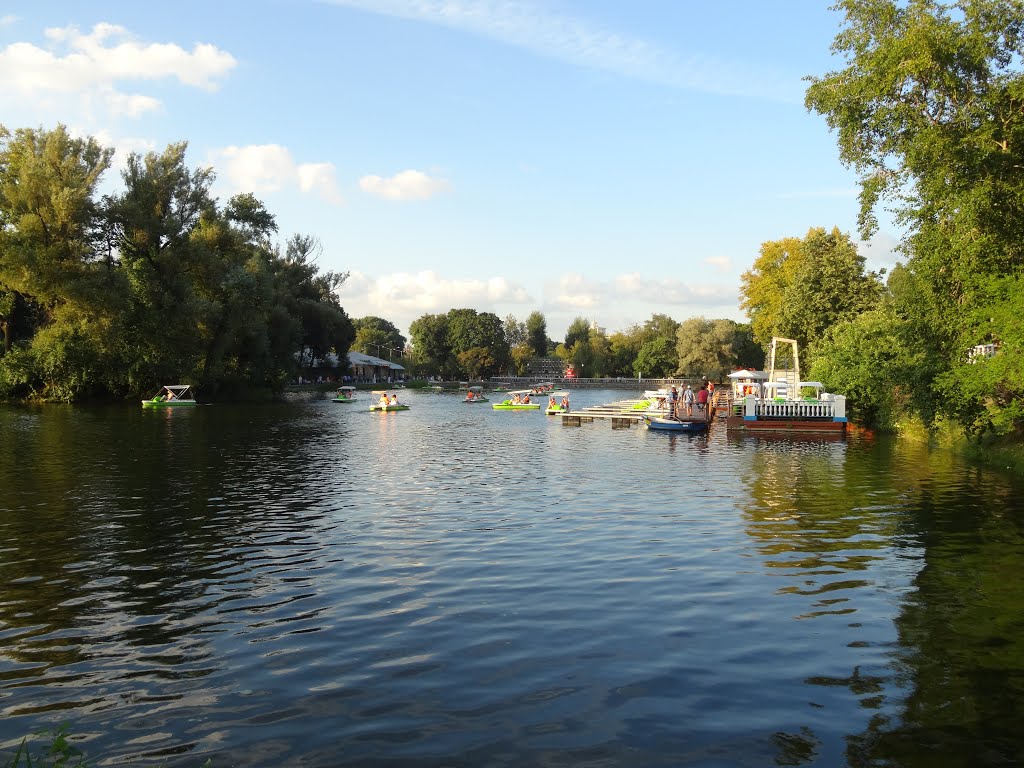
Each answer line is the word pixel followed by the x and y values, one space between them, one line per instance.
pixel 312 584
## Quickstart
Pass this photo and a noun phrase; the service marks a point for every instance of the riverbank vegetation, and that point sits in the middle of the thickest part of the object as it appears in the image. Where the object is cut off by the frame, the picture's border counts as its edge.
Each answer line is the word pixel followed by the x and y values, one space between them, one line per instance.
pixel 928 112
pixel 113 295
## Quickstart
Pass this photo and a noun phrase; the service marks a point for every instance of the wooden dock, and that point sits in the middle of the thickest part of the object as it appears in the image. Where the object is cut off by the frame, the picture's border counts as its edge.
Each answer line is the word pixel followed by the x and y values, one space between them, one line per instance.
pixel 622 414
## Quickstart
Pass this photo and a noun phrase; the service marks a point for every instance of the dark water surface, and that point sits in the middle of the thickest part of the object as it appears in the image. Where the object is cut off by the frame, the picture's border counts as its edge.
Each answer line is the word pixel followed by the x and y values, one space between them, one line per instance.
pixel 313 584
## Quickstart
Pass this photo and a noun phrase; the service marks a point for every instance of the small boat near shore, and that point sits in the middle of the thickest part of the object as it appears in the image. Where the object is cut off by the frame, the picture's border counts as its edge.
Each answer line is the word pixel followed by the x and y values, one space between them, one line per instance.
pixel 172 396
pixel 666 424
pixel 346 394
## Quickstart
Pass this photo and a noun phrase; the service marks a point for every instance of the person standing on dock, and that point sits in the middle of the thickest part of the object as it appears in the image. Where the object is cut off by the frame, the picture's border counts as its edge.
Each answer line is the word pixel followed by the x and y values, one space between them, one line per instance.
pixel 702 400
pixel 688 399
pixel 673 403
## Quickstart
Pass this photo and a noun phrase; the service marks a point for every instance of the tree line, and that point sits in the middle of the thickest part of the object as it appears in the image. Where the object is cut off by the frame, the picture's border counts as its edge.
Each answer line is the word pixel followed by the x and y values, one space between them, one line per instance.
pixel 113 295
pixel 465 343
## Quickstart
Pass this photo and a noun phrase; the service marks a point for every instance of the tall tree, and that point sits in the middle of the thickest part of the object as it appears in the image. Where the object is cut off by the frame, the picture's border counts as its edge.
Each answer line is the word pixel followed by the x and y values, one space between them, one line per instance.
pixel 706 347
pixel 578 330
pixel 928 112
pixel 799 288
pixel 515 331
pixel 537 333
pixel 377 336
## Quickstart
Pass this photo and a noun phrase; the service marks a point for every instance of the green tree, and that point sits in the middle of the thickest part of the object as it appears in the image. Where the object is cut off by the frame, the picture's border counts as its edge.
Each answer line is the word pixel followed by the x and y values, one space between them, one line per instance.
pixel 429 336
pixel 578 330
pixel 50 252
pixel 477 362
pixel 798 288
pixel 656 358
pixel 521 354
pixel 515 331
pixel 869 359
pixel 706 347
pixel 927 111
pixel 537 333
pixel 377 336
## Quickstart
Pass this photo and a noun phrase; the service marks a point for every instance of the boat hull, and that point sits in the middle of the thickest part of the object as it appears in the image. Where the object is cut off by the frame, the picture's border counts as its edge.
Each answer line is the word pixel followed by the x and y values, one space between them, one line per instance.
pixel 343 400
pixel 170 404
pixel 671 425
pixel 786 426
pixel 519 407
pixel 389 407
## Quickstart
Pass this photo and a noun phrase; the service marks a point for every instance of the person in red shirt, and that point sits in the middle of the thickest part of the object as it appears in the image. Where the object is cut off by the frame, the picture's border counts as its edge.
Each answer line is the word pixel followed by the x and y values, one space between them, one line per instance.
pixel 702 400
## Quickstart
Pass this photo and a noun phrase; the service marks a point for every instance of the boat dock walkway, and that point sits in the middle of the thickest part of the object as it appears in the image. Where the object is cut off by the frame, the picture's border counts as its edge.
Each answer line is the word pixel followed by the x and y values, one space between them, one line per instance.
pixel 622 414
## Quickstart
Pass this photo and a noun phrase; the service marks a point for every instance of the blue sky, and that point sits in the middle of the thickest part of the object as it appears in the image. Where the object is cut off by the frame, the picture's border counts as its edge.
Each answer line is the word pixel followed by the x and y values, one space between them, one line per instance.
pixel 595 158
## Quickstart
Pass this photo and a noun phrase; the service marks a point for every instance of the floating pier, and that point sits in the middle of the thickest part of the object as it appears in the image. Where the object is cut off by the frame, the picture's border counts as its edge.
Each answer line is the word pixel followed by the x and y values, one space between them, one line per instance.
pixel 622 414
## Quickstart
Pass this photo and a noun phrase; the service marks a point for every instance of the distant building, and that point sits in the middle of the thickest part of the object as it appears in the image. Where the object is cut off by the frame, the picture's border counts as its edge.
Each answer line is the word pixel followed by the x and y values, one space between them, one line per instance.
pixel 982 351
pixel 369 368
pixel 548 367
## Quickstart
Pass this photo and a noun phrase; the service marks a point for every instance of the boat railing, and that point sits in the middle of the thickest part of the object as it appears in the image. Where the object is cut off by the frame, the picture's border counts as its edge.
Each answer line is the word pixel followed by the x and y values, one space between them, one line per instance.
pixel 834 408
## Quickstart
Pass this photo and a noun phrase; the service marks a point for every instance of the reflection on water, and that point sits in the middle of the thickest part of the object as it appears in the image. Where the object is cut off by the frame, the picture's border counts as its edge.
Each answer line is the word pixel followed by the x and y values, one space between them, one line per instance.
pixel 313 583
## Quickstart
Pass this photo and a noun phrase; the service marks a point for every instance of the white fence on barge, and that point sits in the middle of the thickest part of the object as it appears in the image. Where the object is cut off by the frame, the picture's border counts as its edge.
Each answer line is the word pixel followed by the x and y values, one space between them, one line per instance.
pixel 833 408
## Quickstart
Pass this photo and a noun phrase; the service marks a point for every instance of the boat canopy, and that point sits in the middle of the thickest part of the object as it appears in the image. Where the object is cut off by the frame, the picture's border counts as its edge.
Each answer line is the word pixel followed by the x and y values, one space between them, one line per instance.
pixel 815 384
pixel 180 391
pixel 476 388
pixel 752 375
pixel 347 388
pixel 521 392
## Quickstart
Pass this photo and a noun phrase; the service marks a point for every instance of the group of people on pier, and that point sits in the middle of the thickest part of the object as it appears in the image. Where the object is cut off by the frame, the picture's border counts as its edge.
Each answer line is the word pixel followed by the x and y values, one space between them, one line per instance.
pixel 689 399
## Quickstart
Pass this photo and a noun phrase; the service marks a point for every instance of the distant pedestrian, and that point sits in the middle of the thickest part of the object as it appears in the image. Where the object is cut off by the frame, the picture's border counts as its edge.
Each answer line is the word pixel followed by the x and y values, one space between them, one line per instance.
pixel 688 399
pixel 673 401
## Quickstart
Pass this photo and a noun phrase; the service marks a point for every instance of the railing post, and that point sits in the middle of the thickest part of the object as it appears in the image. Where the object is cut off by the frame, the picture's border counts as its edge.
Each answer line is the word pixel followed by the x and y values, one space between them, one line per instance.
pixel 750 408
pixel 839 412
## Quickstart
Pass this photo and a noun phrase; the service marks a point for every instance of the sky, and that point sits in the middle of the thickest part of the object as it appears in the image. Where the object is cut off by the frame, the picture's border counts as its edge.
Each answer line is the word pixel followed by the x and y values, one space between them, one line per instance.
pixel 606 159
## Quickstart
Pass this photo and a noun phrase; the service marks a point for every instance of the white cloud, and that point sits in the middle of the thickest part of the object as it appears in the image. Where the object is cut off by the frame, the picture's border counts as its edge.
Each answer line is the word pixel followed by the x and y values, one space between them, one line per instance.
pixel 403 297
pixel 536 27
pixel 723 263
pixel 573 291
pixel 272 168
pixel 8 20
pixel 92 66
pixel 674 292
pixel 406 185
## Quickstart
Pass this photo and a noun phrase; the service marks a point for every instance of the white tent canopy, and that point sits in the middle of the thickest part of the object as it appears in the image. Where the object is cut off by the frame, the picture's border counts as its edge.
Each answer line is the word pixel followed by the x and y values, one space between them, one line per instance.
pixel 752 375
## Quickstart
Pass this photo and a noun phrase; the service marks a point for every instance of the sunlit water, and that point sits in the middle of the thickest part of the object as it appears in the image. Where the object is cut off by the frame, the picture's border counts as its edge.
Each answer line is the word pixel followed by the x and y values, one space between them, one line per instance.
pixel 313 584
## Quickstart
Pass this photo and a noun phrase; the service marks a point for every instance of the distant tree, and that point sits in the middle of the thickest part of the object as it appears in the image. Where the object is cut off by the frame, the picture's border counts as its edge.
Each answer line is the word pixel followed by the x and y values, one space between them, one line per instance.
pixel 377 336
pixel 798 288
pixel 515 331
pixel 537 333
pixel 706 347
pixel 430 343
pixel 578 330
pixel 521 354
pixel 747 352
pixel 624 346
pixel 656 358
pixel 477 362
